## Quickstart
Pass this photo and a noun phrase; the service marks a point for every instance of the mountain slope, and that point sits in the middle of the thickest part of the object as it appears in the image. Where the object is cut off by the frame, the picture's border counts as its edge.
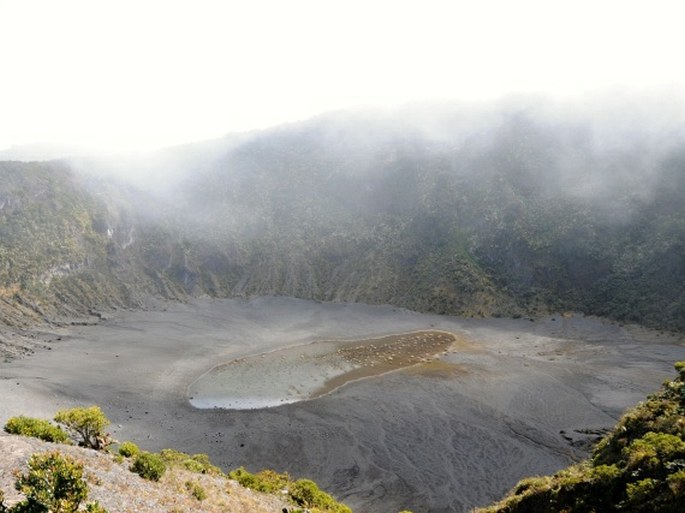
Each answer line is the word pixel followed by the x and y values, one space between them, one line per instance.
pixel 524 209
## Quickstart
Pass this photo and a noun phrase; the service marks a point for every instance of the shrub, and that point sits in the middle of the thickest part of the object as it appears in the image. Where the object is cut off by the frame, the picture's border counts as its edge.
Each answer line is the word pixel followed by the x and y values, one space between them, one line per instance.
pixel 149 466
pixel 129 449
pixel 202 464
pixel 196 490
pixel 244 478
pixel 37 428
pixel 303 492
pixel 198 463
pixel 3 509
pixel 676 483
pixel 306 493
pixel 603 474
pixel 641 492
pixel 86 423
pixel 271 481
pixel 54 483
pixel 173 456
pixel 680 367
pixel 653 450
pixel 267 481
pixel 95 507
pixel 531 484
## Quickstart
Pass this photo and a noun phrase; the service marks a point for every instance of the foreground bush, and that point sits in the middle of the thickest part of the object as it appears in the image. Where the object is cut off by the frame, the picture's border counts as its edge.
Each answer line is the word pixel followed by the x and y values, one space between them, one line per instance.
pixel 149 466
pixel 54 483
pixel 37 428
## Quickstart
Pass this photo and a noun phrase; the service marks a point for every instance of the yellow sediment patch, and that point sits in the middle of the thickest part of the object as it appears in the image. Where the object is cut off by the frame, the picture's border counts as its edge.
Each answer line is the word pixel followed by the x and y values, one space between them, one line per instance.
pixel 308 371
pixel 373 357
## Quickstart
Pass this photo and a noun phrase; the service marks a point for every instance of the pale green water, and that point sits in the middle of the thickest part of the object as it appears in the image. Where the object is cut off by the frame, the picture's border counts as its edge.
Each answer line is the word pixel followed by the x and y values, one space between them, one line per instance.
pixel 270 379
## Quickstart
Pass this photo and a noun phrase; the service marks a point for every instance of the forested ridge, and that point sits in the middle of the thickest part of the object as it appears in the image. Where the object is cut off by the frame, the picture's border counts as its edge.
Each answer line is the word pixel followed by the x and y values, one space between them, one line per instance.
pixel 459 211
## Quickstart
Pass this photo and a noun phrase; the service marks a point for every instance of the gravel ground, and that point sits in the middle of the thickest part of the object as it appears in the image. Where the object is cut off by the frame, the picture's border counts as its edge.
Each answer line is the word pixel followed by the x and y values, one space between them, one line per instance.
pixel 518 398
pixel 121 491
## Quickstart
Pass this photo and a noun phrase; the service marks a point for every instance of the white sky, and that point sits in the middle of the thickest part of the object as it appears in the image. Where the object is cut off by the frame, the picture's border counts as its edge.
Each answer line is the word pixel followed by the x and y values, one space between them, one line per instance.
pixel 137 74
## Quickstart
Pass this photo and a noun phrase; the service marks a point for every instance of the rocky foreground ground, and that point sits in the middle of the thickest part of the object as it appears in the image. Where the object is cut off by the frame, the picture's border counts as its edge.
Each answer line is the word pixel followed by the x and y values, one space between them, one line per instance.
pixel 119 490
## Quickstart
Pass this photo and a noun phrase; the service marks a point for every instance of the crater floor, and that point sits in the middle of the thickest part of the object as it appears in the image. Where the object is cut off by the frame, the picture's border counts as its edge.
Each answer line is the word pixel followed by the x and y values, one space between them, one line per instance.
pixel 506 399
pixel 313 370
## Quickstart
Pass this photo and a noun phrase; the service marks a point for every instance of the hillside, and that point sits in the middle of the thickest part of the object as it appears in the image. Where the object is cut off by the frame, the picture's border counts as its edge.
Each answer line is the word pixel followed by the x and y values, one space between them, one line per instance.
pixel 639 466
pixel 527 208
pixel 117 489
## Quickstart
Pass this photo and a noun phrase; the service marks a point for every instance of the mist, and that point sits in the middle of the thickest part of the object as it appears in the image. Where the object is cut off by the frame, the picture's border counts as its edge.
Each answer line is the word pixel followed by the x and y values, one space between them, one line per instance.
pixel 512 207
pixel 597 147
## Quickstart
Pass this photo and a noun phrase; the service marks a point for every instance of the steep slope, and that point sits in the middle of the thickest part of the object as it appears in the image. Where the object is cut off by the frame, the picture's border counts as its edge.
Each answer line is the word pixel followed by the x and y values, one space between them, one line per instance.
pixel 64 245
pixel 516 210
pixel 117 489
pixel 459 211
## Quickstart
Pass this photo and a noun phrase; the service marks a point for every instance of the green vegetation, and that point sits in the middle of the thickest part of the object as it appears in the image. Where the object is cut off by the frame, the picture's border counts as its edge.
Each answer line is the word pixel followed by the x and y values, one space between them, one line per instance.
pixel 149 466
pixel 639 467
pixel 267 481
pixel 54 483
pixel 306 493
pixel 95 507
pixel 87 424
pixel 37 428
pixel 128 449
pixel 529 218
pixel 196 490
pixel 302 492
pixel 198 463
pixel 536 219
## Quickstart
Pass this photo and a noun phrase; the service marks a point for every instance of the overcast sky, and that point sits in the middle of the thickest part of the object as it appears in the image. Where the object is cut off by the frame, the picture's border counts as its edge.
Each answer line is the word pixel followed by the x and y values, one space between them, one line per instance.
pixel 124 74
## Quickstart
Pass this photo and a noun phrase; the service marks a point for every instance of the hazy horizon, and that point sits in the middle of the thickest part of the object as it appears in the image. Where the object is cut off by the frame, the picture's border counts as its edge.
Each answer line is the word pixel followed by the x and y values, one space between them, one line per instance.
pixel 132 76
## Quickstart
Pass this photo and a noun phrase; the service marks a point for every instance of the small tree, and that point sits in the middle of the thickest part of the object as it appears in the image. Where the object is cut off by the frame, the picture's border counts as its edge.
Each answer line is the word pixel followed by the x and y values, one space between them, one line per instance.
pixel 54 484
pixel 88 424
